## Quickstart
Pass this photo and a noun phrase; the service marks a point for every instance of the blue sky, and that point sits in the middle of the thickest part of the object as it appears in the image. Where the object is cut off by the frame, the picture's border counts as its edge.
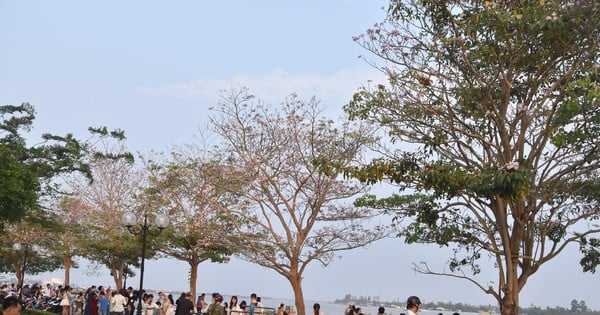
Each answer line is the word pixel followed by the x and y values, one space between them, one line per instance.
pixel 153 68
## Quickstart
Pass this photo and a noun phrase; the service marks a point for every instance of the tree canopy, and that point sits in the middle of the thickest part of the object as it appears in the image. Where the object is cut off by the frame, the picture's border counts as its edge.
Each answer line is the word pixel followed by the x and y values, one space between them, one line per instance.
pixel 292 210
pixel 492 112
pixel 28 173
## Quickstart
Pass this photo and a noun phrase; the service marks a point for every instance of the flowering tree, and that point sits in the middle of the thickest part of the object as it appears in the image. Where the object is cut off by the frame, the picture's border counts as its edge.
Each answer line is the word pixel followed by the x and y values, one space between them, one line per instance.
pixel 499 100
pixel 35 255
pixel 292 209
pixel 97 208
pixel 185 188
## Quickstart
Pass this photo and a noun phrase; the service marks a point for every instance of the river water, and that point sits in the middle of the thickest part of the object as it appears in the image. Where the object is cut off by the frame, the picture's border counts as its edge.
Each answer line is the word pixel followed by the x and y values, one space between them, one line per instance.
pixel 338 309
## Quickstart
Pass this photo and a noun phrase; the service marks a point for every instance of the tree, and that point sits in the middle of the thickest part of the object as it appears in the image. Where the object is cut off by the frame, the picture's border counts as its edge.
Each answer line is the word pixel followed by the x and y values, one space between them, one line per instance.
pixel 97 208
pixel 26 172
pixel 27 260
pixel 185 188
pixel 291 210
pixel 497 103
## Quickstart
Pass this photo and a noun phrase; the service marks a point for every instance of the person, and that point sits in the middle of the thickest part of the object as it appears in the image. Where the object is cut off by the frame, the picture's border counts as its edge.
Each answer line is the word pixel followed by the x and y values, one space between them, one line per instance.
pixel 253 304
pixel 178 302
pixel 162 296
pixel 118 302
pixel 281 309
pixel 234 308
pixel 11 306
pixel 150 306
pixel 317 309
pixel 185 306
pixel 413 304
pixel 66 301
pixel 93 301
pixel 350 309
pixel 168 307
pixel 48 291
pixel 129 307
pixel 89 294
pixel 219 309
pixel 103 303
pixel 79 301
pixel 215 308
pixel 381 310
pixel 200 303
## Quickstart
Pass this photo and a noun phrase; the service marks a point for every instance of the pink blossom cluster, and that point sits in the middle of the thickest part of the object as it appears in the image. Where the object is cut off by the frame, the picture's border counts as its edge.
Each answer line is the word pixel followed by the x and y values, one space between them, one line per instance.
pixel 511 166
pixel 552 17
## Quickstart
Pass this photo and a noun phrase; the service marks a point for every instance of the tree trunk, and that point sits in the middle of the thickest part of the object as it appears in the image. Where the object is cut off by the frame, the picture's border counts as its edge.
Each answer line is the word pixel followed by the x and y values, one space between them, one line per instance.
pixel 296 282
pixel 117 273
pixel 508 306
pixel 67 262
pixel 120 280
pixel 193 278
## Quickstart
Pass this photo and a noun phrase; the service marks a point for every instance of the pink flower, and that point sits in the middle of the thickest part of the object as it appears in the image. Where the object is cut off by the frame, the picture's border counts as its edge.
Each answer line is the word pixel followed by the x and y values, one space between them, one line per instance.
pixel 552 17
pixel 511 166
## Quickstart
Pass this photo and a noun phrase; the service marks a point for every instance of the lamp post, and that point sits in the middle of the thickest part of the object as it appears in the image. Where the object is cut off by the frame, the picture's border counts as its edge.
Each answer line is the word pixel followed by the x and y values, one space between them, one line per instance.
pixel 26 249
pixel 129 219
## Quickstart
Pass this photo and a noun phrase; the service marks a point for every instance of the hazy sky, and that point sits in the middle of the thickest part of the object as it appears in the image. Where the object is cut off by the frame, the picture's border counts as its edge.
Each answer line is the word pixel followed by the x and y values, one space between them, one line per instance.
pixel 153 68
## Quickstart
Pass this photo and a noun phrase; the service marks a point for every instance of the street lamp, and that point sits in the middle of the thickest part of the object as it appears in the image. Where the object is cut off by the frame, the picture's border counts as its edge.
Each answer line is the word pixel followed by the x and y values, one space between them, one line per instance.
pixel 129 219
pixel 26 249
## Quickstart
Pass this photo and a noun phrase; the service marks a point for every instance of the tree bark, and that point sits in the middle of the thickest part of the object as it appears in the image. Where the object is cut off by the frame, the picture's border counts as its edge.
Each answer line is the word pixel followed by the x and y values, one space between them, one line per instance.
pixel 296 283
pixel 193 278
pixel 67 262
pixel 117 273
pixel 509 305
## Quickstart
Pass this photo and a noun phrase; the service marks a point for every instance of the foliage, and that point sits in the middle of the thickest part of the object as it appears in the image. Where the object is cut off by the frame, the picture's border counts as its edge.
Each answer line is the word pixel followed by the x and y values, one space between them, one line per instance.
pixel 185 187
pixel 28 234
pixel 497 103
pixel 27 173
pixel 291 207
pixel 94 209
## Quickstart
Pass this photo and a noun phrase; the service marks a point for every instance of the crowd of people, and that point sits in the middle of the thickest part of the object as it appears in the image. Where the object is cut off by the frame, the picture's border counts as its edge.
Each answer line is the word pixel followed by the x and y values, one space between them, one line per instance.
pixel 413 306
pixel 107 301
pixel 98 300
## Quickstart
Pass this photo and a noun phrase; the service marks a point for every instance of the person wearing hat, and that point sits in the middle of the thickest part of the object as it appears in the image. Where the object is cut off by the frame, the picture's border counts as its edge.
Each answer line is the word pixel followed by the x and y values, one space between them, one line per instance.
pixel 413 304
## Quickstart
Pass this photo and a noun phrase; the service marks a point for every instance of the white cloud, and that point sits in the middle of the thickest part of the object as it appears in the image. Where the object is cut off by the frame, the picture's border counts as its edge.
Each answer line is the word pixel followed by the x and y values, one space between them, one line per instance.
pixel 334 89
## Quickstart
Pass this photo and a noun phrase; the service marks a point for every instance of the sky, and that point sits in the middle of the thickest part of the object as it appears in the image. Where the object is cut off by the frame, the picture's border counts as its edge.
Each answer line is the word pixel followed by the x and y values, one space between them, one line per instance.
pixel 153 68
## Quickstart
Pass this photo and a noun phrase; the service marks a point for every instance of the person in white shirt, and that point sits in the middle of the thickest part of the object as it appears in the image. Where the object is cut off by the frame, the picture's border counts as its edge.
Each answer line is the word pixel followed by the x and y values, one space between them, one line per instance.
pixel 413 304
pixel 150 305
pixel 117 303
pixel 48 290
